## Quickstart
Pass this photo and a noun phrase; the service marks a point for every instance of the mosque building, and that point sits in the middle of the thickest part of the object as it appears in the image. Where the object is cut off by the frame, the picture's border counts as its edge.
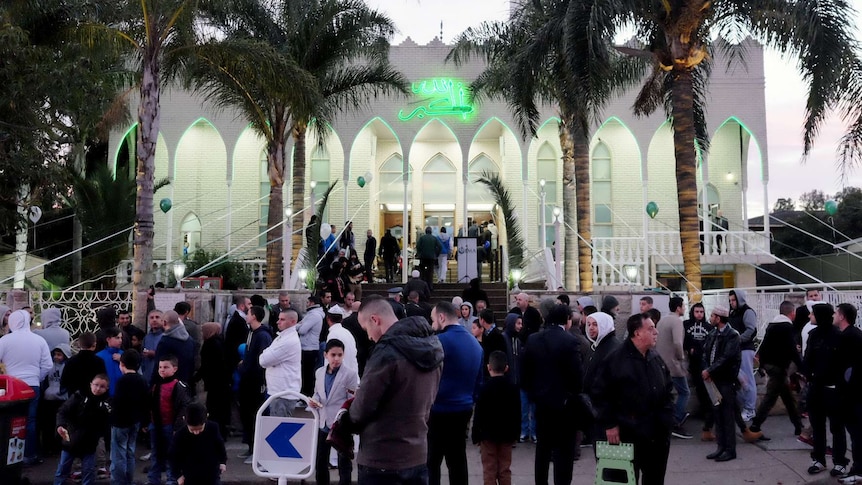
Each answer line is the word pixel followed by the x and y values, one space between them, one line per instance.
pixel 443 141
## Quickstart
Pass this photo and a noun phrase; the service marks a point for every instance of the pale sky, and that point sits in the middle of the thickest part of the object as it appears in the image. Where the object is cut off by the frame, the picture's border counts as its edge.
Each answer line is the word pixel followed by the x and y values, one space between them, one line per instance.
pixel 785 99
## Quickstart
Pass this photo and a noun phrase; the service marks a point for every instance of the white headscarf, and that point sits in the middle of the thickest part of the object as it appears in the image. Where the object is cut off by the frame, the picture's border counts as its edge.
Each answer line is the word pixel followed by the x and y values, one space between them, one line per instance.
pixel 605 323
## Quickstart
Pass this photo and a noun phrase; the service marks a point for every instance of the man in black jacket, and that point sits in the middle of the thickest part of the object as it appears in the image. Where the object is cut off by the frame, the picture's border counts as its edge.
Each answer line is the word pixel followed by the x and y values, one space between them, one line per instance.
pixel 389 251
pixel 252 382
pixel 551 375
pixel 633 397
pixel 850 388
pixel 368 255
pixel 824 373
pixel 721 361
pixel 177 342
pixel 776 352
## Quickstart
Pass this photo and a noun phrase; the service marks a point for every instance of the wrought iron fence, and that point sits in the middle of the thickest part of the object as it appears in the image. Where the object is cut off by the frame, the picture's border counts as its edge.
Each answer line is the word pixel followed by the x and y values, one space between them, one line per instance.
pixel 79 308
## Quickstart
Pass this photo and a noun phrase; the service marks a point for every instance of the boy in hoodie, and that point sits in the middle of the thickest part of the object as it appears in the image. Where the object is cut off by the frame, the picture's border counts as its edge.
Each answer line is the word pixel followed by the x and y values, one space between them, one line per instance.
pixel 129 410
pixel 465 315
pixel 169 399
pixel 51 330
pixel 198 454
pixel 81 421
pixel 744 320
pixel 83 366
pixel 53 398
pixel 110 355
pixel 696 329
pixel 497 422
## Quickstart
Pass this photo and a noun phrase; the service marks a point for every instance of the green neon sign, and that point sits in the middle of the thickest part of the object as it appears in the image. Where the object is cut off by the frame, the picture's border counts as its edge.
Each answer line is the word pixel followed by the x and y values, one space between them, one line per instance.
pixel 443 96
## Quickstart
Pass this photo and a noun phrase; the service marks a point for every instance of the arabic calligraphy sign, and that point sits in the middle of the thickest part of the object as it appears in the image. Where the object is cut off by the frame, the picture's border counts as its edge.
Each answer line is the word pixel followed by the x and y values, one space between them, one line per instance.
pixel 441 97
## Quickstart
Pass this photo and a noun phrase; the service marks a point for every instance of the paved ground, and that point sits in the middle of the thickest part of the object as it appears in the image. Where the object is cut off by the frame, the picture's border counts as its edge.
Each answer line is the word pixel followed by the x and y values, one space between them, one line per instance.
pixel 783 460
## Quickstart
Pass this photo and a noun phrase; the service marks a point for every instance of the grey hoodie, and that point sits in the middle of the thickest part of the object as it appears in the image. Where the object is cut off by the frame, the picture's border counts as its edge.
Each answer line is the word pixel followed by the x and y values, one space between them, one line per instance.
pixel 51 330
pixel 466 322
pixel 744 320
pixel 53 392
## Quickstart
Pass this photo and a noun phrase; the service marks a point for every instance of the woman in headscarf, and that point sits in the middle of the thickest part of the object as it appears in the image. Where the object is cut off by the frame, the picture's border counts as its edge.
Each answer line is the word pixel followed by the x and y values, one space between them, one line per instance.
pixel 465 315
pixel 215 375
pixel 600 331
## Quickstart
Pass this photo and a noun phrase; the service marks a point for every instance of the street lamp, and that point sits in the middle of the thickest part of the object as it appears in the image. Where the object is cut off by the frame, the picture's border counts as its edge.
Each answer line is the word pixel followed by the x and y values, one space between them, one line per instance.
pixel 179 271
pixel 516 277
pixel 303 273
pixel 542 219
pixel 558 269
pixel 286 246
pixel 631 272
pixel 310 213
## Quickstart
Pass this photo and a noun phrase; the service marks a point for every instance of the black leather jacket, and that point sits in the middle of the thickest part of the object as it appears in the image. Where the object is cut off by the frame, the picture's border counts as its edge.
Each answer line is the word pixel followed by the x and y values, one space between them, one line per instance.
pixel 724 366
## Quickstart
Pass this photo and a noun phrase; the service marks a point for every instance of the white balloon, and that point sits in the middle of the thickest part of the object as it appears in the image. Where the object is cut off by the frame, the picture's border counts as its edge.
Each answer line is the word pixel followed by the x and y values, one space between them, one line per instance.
pixel 35 214
pixel 368 176
pixel 325 230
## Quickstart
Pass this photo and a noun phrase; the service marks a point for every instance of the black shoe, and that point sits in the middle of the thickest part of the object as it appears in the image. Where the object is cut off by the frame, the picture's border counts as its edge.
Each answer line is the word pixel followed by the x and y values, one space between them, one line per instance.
pixel 684 418
pixel 715 454
pixel 797 429
pixel 756 428
pixel 726 456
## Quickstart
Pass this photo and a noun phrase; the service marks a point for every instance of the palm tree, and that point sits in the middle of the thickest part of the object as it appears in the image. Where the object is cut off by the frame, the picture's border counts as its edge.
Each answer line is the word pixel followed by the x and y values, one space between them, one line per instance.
pixel 156 33
pixel 326 56
pixel 555 52
pixel 677 38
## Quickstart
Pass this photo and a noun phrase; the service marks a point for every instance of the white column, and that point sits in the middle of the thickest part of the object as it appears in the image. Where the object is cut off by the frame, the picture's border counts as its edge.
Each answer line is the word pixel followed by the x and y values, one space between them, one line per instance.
pixel 704 203
pixel 229 213
pixel 346 183
pixel 169 243
pixel 765 182
pixel 405 231
pixel 286 247
pixel 544 232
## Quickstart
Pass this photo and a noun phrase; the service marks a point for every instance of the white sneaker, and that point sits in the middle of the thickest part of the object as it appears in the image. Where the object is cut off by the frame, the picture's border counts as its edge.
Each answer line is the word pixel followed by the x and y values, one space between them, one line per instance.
pixel 816 467
pixel 850 479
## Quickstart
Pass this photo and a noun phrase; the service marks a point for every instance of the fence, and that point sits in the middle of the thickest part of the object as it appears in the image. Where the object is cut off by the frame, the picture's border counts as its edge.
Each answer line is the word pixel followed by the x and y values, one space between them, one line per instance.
pixel 79 307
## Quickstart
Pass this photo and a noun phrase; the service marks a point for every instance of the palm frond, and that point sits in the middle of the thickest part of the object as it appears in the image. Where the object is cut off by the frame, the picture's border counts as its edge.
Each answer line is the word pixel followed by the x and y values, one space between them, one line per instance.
pixel 514 239
pixel 310 257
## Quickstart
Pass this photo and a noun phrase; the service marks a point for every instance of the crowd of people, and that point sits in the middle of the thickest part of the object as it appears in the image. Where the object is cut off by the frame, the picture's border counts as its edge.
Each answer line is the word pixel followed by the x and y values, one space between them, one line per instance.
pixel 409 378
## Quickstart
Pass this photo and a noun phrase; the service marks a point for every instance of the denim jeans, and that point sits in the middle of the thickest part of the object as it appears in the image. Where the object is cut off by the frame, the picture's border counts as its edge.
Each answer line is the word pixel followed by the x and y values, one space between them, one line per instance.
pixel 682 393
pixel 161 437
pixel 417 475
pixel 123 455
pixel 64 468
pixel 31 444
pixel 528 416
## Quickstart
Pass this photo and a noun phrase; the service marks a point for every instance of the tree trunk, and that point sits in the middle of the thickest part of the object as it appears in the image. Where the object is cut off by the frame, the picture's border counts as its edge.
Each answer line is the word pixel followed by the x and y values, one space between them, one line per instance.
pixel 21 239
pixel 682 96
pixel 576 207
pixel 274 243
pixel 149 114
pixel 299 199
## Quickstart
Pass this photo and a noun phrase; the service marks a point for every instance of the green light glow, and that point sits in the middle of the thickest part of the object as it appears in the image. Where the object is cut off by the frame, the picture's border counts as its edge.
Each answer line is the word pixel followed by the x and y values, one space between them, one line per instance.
pixel 443 97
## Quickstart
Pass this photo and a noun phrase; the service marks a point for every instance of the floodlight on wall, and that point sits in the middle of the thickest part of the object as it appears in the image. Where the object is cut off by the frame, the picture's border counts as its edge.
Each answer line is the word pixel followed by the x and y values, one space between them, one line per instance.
pixel 179 272
pixel 312 184
pixel 631 272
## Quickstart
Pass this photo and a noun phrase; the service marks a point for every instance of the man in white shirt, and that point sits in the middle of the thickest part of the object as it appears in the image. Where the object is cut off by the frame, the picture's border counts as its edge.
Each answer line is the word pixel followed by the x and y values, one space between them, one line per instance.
pixel 333 318
pixel 282 363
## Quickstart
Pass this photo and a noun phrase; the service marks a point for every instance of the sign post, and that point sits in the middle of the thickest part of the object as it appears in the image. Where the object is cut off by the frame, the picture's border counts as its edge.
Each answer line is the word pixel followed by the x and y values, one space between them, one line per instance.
pixel 285 448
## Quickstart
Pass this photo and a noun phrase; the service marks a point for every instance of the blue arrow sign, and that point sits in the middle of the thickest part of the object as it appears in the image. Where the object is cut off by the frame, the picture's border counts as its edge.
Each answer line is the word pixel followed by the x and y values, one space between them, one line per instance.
pixel 279 440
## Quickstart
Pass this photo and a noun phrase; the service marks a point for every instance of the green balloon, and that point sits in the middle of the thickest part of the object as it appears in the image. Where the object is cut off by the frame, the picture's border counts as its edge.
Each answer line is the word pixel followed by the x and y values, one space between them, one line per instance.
pixel 165 204
pixel 360 181
pixel 652 209
pixel 831 207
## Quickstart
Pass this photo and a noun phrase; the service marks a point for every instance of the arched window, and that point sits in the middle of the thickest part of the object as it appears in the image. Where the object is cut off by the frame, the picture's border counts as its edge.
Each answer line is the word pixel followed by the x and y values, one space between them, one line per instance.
pixel 191 231
pixel 438 180
pixel 391 181
pixel 546 168
pixel 478 196
pixel 603 217
pixel 319 171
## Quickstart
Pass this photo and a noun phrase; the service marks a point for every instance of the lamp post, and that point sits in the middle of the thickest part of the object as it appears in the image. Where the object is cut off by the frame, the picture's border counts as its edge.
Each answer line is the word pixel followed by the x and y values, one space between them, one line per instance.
pixel 558 268
pixel 286 247
pixel 179 271
pixel 631 273
pixel 516 277
pixel 542 218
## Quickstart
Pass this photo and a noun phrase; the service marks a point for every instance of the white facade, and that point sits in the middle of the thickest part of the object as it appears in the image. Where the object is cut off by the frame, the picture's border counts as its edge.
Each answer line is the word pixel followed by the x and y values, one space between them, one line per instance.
pixel 219 186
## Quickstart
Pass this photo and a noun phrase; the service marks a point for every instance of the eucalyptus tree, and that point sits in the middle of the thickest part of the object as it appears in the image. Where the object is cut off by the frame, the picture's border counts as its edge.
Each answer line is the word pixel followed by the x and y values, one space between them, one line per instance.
pixel 555 52
pixel 678 38
pixel 295 64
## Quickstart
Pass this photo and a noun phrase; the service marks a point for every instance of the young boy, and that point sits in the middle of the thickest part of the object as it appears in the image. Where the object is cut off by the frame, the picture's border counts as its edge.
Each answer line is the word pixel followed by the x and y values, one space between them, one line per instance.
pixel 169 399
pixel 110 355
pixel 81 421
pixel 333 384
pixel 128 411
pixel 497 422
pixel 198 454
pixel 54 397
